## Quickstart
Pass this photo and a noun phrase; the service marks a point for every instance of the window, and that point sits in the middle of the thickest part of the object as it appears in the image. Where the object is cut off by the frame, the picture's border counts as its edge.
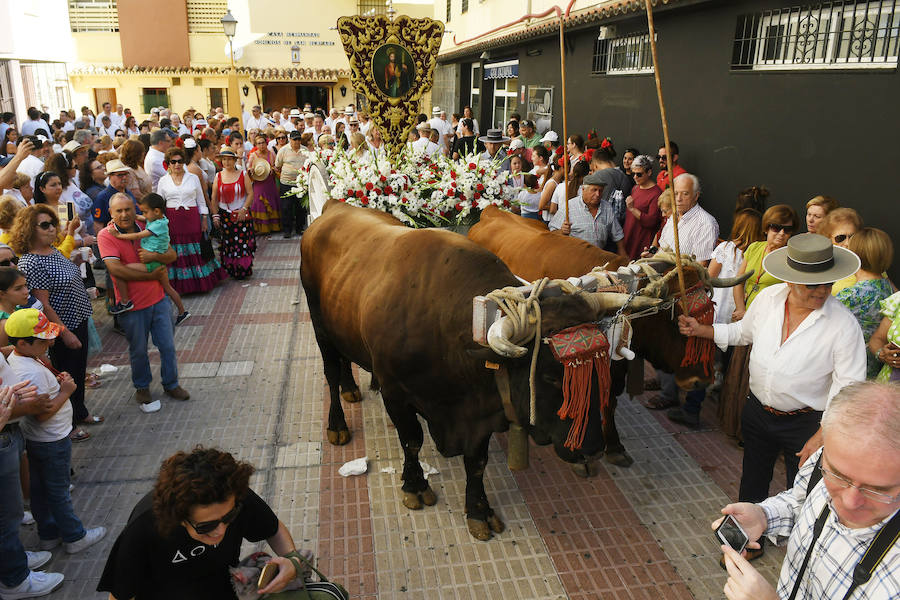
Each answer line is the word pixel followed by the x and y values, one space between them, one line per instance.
pixel 205 16
pixel 505 101
pixel 464 6
pixel 622 55
pixel 151 97
pixel 93 15
pixel 449 7
pixel 831 35
pixel 368 8
pixel 217 97
pixel 475 97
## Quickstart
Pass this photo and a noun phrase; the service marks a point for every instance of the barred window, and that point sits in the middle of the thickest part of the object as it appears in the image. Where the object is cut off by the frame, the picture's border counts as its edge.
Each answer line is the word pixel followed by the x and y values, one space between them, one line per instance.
pixel 845 34
pixel 369 8
pixel 217 97
pixel 622 55
pixel 93 15
pixel 205 16
pixel 465 6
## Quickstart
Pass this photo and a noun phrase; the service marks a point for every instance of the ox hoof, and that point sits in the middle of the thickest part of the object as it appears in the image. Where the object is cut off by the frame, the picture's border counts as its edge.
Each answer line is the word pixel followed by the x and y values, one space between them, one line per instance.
pixel 584 470
pixel 416 500
pixel 480 530
pixel 351 396
pixel 497 526
pixel 338 438
pixel 429 498
pixel 620 459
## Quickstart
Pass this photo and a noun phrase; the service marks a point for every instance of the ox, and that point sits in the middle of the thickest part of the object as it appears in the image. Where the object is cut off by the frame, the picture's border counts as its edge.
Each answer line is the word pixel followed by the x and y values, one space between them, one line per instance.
pixel 398 302
pixel 532 252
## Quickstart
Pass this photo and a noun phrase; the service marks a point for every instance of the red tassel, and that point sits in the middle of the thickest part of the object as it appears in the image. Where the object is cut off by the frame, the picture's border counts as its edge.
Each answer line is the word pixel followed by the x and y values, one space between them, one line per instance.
pixel 577 380
pixel 700 350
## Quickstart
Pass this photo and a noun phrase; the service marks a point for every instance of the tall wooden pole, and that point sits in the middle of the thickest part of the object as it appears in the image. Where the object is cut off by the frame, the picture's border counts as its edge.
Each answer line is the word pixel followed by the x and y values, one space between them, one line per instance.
pixel 665 126
pixel 565 140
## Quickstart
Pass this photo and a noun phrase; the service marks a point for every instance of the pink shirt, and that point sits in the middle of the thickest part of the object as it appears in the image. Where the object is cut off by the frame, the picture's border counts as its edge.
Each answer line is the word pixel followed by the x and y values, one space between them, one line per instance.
pixel 143 293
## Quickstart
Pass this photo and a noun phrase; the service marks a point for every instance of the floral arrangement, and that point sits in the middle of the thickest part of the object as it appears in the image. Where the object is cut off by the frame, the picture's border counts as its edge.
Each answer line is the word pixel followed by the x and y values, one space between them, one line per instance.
pixel 419 190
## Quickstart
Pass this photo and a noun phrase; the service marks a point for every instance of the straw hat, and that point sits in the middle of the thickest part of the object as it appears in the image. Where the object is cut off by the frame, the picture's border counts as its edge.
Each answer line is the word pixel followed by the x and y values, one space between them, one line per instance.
pixel 811 259
pixel 116 166
pixel 260 170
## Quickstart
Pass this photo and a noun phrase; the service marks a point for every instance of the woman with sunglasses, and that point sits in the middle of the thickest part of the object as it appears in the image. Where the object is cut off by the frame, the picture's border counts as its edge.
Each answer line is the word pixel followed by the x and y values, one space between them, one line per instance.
pixel 186 210
pixel 48 190
pixel 231 197
pixel 642 216
pixel 806 347
pixel 839 226
pixel 183 535
pixel 56 282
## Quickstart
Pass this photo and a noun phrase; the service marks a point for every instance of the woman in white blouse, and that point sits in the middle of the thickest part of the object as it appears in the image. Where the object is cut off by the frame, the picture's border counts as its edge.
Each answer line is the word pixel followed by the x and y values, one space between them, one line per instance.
pixel 806 347
pixel 186 210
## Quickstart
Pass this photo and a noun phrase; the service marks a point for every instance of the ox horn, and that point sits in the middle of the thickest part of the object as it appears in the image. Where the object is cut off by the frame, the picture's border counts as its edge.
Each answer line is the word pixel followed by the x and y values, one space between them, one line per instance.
pixel 498 339
pixel 726 282
pixel 604 302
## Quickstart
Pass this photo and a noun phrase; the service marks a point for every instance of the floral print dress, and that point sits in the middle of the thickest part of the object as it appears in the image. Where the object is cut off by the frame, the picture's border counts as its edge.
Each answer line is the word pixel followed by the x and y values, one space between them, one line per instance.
pixel 864 298
pixel 890 308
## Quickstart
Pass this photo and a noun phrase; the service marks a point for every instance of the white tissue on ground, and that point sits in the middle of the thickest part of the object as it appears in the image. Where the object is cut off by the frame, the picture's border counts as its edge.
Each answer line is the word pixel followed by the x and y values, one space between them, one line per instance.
pixel 357 466
pixel 108 368
pixel 428 469
pixel 391 470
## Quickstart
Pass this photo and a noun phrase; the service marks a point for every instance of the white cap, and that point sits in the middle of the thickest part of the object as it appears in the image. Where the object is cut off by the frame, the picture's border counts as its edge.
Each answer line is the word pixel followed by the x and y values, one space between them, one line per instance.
pixel 550 136
pixel 516 144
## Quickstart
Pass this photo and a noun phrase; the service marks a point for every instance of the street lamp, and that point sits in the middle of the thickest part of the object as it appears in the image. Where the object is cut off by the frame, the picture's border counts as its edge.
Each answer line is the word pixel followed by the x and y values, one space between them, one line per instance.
pixel 229 26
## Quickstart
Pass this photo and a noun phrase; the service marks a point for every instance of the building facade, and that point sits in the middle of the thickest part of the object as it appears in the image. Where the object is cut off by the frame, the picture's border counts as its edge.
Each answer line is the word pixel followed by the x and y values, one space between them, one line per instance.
pixel 757 92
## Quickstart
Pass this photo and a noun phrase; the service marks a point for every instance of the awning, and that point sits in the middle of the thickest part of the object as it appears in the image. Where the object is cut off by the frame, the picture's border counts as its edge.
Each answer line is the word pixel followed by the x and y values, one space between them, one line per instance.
pixel 501 70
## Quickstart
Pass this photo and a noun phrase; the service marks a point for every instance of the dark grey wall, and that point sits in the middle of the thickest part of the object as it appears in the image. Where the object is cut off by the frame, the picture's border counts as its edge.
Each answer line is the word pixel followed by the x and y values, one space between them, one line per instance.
pixel 800 133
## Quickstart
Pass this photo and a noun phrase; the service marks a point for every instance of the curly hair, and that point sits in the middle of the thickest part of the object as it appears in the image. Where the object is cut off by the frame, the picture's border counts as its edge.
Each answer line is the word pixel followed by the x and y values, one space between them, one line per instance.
pixel 9 206
pixel 202 477
pixel 173 152
pixel 25 224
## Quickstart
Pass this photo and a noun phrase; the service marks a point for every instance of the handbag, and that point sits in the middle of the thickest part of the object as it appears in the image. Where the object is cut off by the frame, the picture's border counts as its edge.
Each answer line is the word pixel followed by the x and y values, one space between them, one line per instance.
pixel 206 248
pixel 312 590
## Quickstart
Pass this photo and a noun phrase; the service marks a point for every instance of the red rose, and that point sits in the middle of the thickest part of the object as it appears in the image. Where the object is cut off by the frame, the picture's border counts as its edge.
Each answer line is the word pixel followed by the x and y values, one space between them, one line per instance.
pixel 477 196
pixel 462 197
pixel 481 172
pixel 452 184
pixel 359 194
pixel 458 207
pixel 453 174
pixel 506 203
pixel 472 165
pixel 370 186
pixel 365 201
pixel 479 187
pixel 393 171
pixel 388 189
pixel 474 204
pixel 383 178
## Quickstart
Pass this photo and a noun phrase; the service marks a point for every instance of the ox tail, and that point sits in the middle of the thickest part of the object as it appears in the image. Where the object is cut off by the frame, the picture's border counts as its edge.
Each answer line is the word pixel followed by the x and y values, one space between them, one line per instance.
pixel 577 380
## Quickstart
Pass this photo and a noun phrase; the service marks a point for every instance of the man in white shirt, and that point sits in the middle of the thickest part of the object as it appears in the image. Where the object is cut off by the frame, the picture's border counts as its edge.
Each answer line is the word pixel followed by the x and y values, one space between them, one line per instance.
pixel 33 123
pixel 160 141
pixel 107 112
pixel 424 145
pixel 32 164
pixel 118 117
pixel 318 127
pixel 440 124
pixel 256 120
pixel 333 116
pixel 67 124
pixel 308 122
pixel 106 127
pixel 293 123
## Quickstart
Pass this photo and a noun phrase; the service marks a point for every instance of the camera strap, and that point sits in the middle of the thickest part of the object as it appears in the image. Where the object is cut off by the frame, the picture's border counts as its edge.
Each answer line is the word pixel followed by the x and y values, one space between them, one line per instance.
pixel 883 542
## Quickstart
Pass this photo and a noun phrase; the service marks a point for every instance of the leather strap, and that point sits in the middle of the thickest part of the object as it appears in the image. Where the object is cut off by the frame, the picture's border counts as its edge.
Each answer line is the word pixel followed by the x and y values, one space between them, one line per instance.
pixel 501 377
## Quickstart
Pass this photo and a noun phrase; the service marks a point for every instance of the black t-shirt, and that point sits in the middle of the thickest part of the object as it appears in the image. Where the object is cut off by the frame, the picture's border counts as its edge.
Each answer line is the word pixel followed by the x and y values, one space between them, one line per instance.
pixel 146 566
pixel 466 145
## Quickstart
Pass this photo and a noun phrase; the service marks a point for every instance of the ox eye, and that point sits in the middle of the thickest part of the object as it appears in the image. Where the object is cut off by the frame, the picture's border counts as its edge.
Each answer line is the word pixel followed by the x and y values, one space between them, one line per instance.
pixel 552 379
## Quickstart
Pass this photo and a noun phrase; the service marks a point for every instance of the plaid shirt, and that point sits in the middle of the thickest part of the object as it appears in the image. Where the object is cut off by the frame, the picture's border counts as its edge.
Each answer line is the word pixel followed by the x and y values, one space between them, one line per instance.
pixel 594 229
pixel 830 571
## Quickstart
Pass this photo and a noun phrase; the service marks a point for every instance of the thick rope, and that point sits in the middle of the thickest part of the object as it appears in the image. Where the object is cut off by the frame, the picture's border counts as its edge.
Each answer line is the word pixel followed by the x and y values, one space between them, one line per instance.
pixel 657 285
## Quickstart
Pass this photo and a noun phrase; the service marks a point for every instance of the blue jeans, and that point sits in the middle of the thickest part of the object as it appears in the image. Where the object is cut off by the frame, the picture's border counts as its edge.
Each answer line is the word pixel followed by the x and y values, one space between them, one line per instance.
pixel 51 504
pixel 13 562
pixel 669 390
pixel 155 320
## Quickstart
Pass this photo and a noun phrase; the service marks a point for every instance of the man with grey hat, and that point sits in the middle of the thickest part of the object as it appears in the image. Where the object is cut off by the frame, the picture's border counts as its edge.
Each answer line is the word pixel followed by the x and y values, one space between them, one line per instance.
pixel 591 219
pixel 493 142
pixel 288 162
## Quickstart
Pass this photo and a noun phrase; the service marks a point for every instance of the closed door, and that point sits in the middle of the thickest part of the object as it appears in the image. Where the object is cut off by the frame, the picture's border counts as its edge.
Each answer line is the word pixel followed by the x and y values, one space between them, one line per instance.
pixel 102 95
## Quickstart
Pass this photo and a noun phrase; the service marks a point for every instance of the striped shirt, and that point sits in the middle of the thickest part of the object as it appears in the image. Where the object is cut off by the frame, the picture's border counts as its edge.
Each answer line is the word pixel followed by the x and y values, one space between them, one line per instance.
pixel 698 233
pixel 594 229
pixel 791 514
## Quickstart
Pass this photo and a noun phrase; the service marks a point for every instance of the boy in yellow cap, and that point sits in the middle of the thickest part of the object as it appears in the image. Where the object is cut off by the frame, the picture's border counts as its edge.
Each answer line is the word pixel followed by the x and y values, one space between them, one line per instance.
pixel 47 441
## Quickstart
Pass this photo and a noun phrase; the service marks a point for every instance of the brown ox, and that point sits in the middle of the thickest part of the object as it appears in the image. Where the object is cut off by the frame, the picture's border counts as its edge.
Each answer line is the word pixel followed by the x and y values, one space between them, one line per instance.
pixel 398 302
pixel 532 252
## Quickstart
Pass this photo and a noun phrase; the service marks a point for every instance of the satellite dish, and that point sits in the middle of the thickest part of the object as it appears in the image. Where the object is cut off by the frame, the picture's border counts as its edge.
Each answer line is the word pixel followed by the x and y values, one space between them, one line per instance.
pixel 238 51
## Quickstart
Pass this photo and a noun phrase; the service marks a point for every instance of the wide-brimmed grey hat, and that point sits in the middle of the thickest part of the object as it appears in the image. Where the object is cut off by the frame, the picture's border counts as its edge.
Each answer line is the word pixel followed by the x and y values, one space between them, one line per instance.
pixel 494 136
pixel 597 178
pixel 810 259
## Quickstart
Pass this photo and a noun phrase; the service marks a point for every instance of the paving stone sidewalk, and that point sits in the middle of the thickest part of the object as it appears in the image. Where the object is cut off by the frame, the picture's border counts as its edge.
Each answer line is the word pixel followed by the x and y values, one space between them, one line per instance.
pixel 249 359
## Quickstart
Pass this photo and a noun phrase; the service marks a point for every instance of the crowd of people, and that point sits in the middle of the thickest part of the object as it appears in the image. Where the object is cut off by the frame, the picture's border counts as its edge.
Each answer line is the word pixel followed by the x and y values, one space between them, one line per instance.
pixel 143 201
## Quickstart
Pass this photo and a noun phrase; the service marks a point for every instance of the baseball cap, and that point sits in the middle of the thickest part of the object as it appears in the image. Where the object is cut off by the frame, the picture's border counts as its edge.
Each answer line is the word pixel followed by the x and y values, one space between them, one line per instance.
pixel 516 144
pixel 550 136
pixel 30 322
pixel 296 135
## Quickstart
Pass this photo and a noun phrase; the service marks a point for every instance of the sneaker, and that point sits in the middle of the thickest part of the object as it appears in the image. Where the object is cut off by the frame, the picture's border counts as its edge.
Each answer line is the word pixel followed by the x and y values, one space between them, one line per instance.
pixel 36 584
pixel 27 518
pixel 182 318
pixel 677 415
pixel 146 401
pixel 90 538
pixel 49 544
pixel 120 307
pixel 38 559
pixel 178 393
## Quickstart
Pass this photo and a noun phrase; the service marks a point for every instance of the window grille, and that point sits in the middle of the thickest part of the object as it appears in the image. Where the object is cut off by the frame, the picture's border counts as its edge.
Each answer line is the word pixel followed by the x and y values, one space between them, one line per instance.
pixel 151 97
pixel 622 55
pixel 205 16
pixel 369 8
pixel 449 7
pixel 832 35
pixel 93 15
pixel 464 8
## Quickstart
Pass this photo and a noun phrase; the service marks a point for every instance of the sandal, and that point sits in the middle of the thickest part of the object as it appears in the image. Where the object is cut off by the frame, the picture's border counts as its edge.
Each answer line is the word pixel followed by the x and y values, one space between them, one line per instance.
pixel 79 435
pixel 658 402
pixel 92 380
pixel 92 420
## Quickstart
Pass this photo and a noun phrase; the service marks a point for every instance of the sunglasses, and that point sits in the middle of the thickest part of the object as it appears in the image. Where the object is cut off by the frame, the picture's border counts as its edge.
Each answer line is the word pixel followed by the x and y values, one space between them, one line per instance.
pixel 46 225
pixel 205 527
pixel 636 174
pixel 661 157
pixel 176 161
pixel 7 262
pixel 281 137
pixel 776 228
pixel 842 237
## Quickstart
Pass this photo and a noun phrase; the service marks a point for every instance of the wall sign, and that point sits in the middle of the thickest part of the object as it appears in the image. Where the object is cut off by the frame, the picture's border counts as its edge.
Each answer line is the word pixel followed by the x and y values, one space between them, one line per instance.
pixel 507 69
pixel 292 38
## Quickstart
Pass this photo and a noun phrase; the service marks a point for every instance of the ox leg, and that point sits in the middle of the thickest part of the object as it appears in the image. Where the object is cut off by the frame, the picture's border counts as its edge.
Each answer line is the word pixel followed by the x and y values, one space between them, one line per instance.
pixel 349 389
pixel 615 452
pixel 338 433
pixel 416 491
pixel 480 517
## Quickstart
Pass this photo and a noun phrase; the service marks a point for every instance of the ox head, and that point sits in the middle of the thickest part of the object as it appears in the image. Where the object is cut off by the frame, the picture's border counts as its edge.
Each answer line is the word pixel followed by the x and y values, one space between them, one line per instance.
pixel 550 380
pixel 656 337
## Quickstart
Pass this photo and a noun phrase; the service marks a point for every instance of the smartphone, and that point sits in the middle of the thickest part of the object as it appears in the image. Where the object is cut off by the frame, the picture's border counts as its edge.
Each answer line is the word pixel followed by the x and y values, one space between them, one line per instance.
pixel 731 533
pixel 70 211
pixel 62 213
pixel 268 573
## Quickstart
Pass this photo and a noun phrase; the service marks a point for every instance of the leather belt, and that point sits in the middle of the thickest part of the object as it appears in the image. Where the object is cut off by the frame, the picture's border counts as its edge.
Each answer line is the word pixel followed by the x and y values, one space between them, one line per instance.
pixel 781 413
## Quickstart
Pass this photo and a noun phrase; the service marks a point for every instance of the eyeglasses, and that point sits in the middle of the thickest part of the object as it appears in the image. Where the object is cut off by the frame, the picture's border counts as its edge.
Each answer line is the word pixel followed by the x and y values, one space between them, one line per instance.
pixel 839 238
pixel 638 174
pixel 775 227
pixel 867 492
pixel 281 137
pixel 45 225
pixel 205 527
pixel 176 161
pixel 661 157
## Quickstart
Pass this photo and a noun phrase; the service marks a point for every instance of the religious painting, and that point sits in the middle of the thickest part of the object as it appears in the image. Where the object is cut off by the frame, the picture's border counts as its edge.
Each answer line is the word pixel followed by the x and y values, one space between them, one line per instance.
pixel 394 70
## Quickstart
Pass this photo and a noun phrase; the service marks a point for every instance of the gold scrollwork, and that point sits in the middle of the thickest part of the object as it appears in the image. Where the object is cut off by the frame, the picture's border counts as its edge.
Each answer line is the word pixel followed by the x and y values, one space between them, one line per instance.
pixel 392 64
